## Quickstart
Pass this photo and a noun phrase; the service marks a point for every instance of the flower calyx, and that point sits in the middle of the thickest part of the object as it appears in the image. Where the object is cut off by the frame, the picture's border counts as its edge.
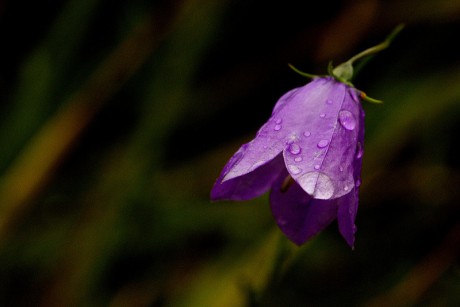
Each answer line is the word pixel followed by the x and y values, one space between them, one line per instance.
pixel 344 72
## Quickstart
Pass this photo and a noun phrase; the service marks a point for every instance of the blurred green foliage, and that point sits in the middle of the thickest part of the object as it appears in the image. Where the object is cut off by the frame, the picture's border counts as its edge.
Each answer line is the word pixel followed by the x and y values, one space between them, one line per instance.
pixel 116 117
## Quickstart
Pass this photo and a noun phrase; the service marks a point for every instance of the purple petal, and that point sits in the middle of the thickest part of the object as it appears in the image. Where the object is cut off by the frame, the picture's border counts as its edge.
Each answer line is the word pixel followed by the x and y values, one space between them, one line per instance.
pixel 247 186
pixel 348 206
pixel 269 142
pixel 285 99
pixel 321 127
pixel 359 151
pixel 297 214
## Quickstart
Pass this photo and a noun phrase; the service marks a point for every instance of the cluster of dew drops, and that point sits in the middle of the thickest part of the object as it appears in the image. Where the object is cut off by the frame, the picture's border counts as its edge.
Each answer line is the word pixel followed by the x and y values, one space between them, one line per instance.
pixel 348 122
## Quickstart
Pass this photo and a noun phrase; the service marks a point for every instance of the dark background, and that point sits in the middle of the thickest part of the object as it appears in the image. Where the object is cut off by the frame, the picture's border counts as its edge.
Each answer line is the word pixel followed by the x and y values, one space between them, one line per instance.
pixel 116 117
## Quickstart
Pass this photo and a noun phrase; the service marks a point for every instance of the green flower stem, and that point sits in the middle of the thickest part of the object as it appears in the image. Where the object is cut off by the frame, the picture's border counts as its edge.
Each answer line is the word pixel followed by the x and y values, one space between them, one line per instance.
pixel 383 45
pixel 345 70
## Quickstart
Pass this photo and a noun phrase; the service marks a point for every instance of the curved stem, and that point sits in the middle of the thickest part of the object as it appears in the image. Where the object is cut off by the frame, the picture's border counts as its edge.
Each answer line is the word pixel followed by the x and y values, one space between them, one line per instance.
pixel 301 72
pixel 383 45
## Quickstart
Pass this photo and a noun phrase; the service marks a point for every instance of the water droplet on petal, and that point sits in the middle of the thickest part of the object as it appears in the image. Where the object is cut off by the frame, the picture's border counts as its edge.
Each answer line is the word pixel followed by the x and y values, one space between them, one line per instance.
pixel 294 169
pixel 298 159
pixel 341 168
pixel 347 119
pixel 294 149
pixel 359 150
pixel 292 138
pixel 278 121
pixel 317 166
pixel 307 133
pixel 329 101
pixel 345 188
pixel 277 127
pixel 281 221
pixel 358 182
pixel 323 143
pixel 317 184
pixel 322 115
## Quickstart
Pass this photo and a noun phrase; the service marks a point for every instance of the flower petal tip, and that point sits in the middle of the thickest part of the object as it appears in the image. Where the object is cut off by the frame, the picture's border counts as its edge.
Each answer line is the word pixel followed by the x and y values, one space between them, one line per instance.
pixel 350 238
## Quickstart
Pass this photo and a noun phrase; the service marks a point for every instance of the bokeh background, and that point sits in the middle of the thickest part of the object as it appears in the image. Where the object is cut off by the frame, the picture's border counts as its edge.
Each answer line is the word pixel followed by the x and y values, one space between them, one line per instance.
pixel 117 116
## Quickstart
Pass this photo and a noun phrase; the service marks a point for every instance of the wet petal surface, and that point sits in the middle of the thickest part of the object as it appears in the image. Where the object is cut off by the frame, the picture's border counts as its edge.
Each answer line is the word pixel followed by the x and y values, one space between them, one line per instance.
pixel 297 214
pixel 250 185
pixel 322 124
pixel 310 154
pixel 348 207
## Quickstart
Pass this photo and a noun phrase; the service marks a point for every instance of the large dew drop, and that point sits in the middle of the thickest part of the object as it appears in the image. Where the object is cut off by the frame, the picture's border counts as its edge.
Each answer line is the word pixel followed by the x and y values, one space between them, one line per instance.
pixel 347 120
pixel 317 184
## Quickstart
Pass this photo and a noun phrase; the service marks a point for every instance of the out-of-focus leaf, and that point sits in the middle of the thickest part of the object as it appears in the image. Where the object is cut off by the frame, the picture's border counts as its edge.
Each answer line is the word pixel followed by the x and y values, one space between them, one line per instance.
pixel 39 88
pixel 414 103
pixel 231 282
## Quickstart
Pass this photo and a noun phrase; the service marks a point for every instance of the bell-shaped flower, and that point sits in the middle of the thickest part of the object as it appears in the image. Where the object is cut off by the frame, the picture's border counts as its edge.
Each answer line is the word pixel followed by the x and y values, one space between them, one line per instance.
pixel 309 154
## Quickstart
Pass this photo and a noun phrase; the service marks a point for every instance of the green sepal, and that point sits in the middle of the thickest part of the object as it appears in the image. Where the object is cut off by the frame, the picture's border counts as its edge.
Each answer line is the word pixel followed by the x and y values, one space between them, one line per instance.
pixel 369 99
pixel 330 68
pixel 344 71
pixel 304 74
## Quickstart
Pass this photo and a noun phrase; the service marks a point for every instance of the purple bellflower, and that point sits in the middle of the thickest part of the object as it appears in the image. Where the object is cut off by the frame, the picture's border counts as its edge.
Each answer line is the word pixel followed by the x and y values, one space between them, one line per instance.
pixel 309 154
